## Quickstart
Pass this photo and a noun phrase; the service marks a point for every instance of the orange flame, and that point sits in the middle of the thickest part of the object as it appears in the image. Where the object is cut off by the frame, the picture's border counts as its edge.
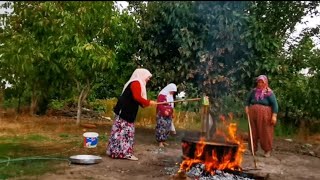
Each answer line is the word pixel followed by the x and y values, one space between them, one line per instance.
pixel 230 160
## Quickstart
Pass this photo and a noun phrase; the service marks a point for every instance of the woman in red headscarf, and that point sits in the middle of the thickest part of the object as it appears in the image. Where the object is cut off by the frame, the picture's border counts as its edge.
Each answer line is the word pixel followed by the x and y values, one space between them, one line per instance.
pixel 262 108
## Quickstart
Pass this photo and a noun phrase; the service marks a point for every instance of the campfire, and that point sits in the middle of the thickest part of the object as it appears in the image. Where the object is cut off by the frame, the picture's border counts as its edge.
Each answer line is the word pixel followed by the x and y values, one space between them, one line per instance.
pixel 217 155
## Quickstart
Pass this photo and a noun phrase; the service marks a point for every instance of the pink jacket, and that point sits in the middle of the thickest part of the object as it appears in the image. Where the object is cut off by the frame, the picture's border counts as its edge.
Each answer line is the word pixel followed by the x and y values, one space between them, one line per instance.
pixel 161 108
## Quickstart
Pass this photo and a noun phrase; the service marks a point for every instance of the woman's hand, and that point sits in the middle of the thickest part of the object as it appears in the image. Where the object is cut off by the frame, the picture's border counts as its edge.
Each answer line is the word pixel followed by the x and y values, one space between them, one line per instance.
pixel 152 103
pixel 247 110
pixel 274 119
pixel 167 112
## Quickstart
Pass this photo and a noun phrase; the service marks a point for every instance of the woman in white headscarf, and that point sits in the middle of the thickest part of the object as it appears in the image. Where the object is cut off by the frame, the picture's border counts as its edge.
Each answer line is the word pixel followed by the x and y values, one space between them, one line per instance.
pixel 165 113
pixel 122 133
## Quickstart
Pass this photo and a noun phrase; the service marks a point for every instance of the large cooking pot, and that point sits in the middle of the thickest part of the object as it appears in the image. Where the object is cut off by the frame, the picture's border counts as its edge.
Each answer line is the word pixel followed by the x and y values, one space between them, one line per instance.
pixel 221 149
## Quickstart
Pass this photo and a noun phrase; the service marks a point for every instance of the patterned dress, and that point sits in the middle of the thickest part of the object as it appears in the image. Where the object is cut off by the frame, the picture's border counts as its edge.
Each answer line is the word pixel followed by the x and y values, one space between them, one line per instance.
pixel 121 139
pixel 163 126
pixel 133 95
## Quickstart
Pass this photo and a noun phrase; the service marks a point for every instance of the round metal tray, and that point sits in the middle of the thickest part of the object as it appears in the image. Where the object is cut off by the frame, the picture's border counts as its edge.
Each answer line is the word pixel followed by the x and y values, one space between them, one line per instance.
pixel 85 159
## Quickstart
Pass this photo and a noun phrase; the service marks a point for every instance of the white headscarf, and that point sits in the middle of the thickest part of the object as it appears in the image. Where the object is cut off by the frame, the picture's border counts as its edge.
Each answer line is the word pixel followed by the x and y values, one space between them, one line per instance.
pixel 166 91
pixel 140 75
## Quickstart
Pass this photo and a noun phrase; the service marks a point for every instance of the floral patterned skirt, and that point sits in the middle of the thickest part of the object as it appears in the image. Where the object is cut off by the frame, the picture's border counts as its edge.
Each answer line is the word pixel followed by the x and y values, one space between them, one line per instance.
pixel 163 128
pixel 121 139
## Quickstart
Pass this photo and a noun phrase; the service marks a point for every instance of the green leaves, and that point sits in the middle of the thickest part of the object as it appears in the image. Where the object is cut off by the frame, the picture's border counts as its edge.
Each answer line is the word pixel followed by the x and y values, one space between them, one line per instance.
pixel 217 47
pixel 46 42
pixel 200 40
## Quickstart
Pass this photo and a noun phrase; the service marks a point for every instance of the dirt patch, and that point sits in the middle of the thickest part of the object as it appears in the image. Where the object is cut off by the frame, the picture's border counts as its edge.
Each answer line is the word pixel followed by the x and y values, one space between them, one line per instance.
pixel 290 160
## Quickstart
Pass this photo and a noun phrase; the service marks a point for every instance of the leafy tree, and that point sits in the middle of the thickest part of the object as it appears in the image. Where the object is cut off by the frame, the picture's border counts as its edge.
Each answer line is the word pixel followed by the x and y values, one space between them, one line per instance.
pixel 198 42
pixel 298 93
pixel 77 41
pixel 110 85
pixel 272 23
pixel 220 47
pixel 25 54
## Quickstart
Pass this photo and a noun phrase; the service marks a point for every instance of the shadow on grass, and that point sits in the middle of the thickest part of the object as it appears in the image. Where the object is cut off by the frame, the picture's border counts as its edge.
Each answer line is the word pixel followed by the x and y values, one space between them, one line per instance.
pixel 13 163
pixel 35 154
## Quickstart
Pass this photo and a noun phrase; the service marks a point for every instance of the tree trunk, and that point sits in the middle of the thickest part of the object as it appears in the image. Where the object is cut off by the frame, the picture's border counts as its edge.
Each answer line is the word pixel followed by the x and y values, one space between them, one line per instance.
pixel 82 97
pixel 1 95
pixel 34 104
pixel 19 104
pixel 19 101
pixel 79 108
pixel 42 106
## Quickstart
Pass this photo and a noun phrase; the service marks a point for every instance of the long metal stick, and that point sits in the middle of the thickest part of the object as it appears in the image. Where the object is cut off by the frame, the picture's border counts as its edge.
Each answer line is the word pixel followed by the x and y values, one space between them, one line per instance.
pixel 251 142
pixel 183 100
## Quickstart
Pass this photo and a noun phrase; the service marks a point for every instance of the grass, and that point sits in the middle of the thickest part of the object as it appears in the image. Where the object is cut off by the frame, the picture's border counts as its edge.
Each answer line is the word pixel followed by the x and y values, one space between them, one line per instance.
pixel 21 139
pixel 32 146
pixel 17 158
pixel 284 131
pixel 281 130
pixel 192 121
pixel 27 167
pixel 25 138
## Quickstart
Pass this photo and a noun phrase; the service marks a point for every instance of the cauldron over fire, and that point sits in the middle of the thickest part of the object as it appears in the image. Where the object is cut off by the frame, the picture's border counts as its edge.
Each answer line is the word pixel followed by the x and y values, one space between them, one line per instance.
pixel 211 153
pixel 208 147
pixel 211 149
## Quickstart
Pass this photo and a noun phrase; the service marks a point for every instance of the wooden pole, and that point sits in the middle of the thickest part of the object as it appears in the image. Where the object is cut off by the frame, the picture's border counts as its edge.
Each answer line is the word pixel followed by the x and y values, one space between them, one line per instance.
pixel 204 110
pixel 206 105
pixel 205 117
pixel 251 141
pixel 183 100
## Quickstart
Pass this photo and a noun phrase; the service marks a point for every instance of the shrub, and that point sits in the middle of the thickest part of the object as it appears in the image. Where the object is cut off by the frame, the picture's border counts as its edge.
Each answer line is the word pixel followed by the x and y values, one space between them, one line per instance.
pixel 56 104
